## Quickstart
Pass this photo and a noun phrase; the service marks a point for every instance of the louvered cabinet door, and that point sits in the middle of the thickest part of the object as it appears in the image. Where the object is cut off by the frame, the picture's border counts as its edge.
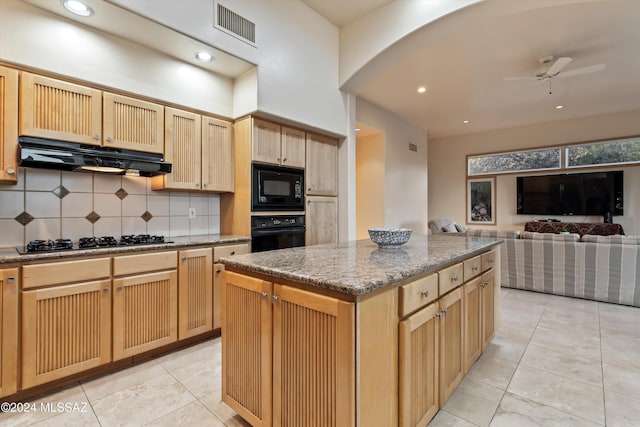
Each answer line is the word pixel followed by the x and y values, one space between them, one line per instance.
pixel 419 367
pixel 8 125
pixel 247 347
pixel 472 322
pixel 8 331
pixel 217 155
pixel 145 311
pixel 451 343
pixel 182 140
pixel 266 142
pixel 66 329
pixel 55 109
pixel 132 124
pixel 195 292
pixel 313 359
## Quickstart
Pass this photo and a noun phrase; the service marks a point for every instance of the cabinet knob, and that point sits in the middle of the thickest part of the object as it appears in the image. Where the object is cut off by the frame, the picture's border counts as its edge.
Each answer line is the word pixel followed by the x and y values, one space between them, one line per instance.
pixel 184 258
pixel 439 314
pixel 275 298
pixel 197 184
pixel 232 253
pixel 309 189
pixel 109 139
pixel 425 294
pixel 284 160
pixel 106 290
pixel 474 268
pixel 454 278
pixel 490 261
pixel 119 288
pixel 263 295
pixel 445 311
pixel 220 271
pixel 96 137
pixel 484 284
pixel 205 184
pixel 278 159
pixel 11 280
pixel 11 171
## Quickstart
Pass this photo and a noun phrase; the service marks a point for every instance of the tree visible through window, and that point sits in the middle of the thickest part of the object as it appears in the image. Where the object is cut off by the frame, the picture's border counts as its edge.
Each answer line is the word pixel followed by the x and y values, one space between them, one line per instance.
pixel 604 153
pixel 519 161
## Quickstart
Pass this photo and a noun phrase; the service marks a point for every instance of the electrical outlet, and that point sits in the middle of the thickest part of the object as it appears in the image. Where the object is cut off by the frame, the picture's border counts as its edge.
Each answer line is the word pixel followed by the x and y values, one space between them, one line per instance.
pixel 192 213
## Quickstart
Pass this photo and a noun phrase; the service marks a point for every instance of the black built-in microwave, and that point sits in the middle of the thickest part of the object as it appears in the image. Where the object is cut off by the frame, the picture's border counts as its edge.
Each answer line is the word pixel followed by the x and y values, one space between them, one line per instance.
pixel 276 188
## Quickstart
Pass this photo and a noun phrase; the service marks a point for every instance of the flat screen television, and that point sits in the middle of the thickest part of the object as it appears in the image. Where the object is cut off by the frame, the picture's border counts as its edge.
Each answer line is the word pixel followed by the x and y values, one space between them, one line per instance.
pixel 592 193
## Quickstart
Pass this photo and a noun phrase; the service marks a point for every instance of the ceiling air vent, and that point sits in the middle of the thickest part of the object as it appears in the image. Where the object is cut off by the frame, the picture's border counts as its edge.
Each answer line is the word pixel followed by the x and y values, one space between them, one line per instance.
pixel 236 25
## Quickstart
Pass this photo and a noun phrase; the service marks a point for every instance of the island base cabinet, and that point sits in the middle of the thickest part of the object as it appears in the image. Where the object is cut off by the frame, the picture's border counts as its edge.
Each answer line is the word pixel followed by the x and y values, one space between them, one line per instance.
pixel 67 329
pixel 8 331
pixel 288 356
pixel 488 286
pixel 419 341
pixel 473 315
pixel 144 313
pixel 451 343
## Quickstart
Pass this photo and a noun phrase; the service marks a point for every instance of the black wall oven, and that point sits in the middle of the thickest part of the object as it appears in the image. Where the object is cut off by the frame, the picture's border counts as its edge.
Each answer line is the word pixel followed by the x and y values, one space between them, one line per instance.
pixel 277 232
pixel 275 188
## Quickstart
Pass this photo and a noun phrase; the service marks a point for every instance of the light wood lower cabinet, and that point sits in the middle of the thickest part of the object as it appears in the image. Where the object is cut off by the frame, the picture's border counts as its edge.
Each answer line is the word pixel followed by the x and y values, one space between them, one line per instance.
pixel 195 300
pixel 305 339
pixel 66 329
pixel 451 343
pixel 9 285
pixel 144 312
pixel 488 286
pixel 472 323
pixel 321 220
pixel 218 269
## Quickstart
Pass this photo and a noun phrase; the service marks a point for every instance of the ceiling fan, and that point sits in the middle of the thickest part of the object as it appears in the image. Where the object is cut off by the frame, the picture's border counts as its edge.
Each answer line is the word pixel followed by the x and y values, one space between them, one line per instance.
pixel 553 69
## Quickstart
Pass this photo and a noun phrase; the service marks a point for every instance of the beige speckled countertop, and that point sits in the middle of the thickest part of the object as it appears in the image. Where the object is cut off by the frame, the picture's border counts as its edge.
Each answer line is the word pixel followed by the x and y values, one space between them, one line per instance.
pixel 359 267
pixel 11 255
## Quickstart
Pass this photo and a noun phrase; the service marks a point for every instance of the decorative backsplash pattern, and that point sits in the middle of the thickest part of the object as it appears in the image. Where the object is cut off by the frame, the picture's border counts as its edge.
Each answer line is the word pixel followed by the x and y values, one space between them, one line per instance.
pixel 48 204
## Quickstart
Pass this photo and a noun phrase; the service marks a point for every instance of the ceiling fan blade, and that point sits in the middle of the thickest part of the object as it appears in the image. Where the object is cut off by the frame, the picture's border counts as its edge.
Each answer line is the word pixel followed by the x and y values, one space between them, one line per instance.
pixel 557 66
pixel 583 70
pixel 507 79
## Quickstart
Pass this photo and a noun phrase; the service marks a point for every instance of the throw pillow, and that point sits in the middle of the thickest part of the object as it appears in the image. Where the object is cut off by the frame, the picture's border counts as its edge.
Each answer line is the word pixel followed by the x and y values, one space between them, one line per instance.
pixel 461 228
pixel 450 228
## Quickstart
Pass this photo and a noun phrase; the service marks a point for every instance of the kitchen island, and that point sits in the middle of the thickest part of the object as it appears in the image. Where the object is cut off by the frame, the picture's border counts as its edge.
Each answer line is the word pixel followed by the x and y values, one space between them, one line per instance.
pixel 351 334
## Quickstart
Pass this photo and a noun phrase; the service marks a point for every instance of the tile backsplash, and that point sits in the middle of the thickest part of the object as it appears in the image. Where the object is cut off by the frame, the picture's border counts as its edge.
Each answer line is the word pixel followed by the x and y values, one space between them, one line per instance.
pixel 48 204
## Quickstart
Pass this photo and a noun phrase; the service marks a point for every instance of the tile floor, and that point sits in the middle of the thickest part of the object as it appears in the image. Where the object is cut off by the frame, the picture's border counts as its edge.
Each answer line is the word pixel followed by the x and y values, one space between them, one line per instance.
pixel 555 361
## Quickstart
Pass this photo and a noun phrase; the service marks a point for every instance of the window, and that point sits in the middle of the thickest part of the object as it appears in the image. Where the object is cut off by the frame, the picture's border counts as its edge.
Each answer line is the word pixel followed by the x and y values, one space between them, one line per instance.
pixel 603 153
pixel 518 161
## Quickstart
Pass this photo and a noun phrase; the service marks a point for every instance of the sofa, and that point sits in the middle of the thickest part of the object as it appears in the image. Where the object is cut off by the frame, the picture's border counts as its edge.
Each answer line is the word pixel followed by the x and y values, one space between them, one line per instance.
pixel 600 268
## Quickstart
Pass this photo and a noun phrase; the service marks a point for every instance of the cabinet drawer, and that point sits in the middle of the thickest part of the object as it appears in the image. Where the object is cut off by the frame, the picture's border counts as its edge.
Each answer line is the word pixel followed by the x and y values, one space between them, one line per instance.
pixel 450 278
pixel 417 294
pixel 488 260
pixel 65 272
pixel 133 264
pixel 472 267
pixel 222 251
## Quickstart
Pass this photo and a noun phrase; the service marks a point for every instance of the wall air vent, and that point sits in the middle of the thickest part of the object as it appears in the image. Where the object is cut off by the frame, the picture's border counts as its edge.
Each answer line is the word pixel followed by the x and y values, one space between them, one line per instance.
pixel 234 24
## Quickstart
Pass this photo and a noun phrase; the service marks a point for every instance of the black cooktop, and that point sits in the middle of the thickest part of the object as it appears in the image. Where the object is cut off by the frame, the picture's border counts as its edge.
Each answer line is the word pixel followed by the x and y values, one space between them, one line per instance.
pixel 37 246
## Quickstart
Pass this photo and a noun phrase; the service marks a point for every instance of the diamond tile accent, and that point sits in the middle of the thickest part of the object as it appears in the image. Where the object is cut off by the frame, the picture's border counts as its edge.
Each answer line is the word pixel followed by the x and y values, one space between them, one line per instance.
pixel 92 217
pixel 24 218
pixel 60 191
pixel 147 216
pixel 122 193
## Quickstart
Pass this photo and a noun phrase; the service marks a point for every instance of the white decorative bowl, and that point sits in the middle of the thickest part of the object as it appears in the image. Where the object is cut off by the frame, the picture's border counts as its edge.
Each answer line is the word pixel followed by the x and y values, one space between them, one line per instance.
pixel 389 237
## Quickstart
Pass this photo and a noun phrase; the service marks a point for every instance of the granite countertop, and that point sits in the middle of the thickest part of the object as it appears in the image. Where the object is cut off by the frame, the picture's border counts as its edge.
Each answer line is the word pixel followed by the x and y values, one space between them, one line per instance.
pixel 359 267
pixel 11 255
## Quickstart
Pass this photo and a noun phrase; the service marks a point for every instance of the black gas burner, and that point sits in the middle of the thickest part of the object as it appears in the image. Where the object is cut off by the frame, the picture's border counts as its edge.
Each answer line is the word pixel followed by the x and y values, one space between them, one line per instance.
pixel 140 239
pixel 49 245
pixel 90 243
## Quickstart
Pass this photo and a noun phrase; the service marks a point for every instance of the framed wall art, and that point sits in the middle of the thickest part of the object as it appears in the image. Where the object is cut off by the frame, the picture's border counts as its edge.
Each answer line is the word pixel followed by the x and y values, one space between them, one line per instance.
pixel 481 201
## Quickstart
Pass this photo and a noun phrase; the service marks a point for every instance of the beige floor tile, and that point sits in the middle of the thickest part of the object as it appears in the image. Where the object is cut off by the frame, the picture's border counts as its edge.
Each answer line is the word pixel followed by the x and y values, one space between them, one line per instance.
pixel 622 380
pixel 621 351
pixel 621 410
pixel 580 345
pixel 214 403
pixel 577 398
pixel 121 380
pixel 194 414
pixel 474 402
pixel 44 409
pixel 492 371
pixel 515 411
pixel 560 362
pixel 505 348
pixel 143 402
pixel 445 419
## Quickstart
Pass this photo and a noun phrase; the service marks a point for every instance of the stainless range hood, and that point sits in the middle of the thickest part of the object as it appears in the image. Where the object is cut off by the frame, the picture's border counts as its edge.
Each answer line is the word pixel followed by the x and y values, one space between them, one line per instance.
pixel 69 156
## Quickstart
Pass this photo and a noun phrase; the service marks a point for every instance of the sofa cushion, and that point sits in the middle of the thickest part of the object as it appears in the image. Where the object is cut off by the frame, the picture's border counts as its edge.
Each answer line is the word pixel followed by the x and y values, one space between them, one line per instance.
pixel 510 234
pixel 614 239
pixel 461 228
pixel 562 237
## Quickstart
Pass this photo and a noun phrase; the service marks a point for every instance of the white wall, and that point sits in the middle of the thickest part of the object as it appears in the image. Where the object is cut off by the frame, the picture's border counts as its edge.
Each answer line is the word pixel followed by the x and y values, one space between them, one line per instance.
pixel 405 171
pixel 370 185
pixel 38 39
pixel 447 166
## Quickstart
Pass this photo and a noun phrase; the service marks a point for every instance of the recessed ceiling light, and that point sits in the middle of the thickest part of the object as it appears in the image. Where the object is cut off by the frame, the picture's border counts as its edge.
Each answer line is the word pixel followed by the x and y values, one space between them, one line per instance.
pixel 465 122
pixel 357 129
pixel 204 57
pixel 77 7
pixel 422 89
pixel 559 107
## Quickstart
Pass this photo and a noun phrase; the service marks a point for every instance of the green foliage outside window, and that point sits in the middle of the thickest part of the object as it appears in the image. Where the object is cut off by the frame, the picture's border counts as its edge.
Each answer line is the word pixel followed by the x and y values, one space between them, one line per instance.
pixel 604 153
pixel 514 162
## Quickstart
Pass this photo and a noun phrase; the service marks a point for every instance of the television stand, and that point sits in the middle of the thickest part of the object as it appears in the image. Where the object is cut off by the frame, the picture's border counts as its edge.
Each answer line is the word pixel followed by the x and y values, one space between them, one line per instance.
pixel 581 228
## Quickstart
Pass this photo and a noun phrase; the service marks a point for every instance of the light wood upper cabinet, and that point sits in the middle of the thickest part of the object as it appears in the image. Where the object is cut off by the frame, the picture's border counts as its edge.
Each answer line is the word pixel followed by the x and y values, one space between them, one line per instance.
pixel 132 124
pixel 55 109
pixel 195 292
pixel 217 155
pixel 65 330
pixel 322 166
pixel 183 138
pixel 277 145
pixel 293 147
pixel 9 286
pixel 321 220
pixel 8 125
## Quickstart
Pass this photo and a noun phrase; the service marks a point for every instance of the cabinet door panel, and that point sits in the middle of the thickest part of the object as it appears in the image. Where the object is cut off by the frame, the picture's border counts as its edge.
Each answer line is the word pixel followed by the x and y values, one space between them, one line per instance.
pixel 313 359
pixel 8 331
pixel 293 147
pixel 418 382
pixel 8 125
pixel 144 312
pixel 195 283
pixel 266 142
pixel 217 155
pixel 247 347
pixel 472 323
pixel 488 308
pixel 321 166
pixel 451 344
pixel 132 124
pixel 66 329
pixel 218 268
pixel 322 220
pixel 55 109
